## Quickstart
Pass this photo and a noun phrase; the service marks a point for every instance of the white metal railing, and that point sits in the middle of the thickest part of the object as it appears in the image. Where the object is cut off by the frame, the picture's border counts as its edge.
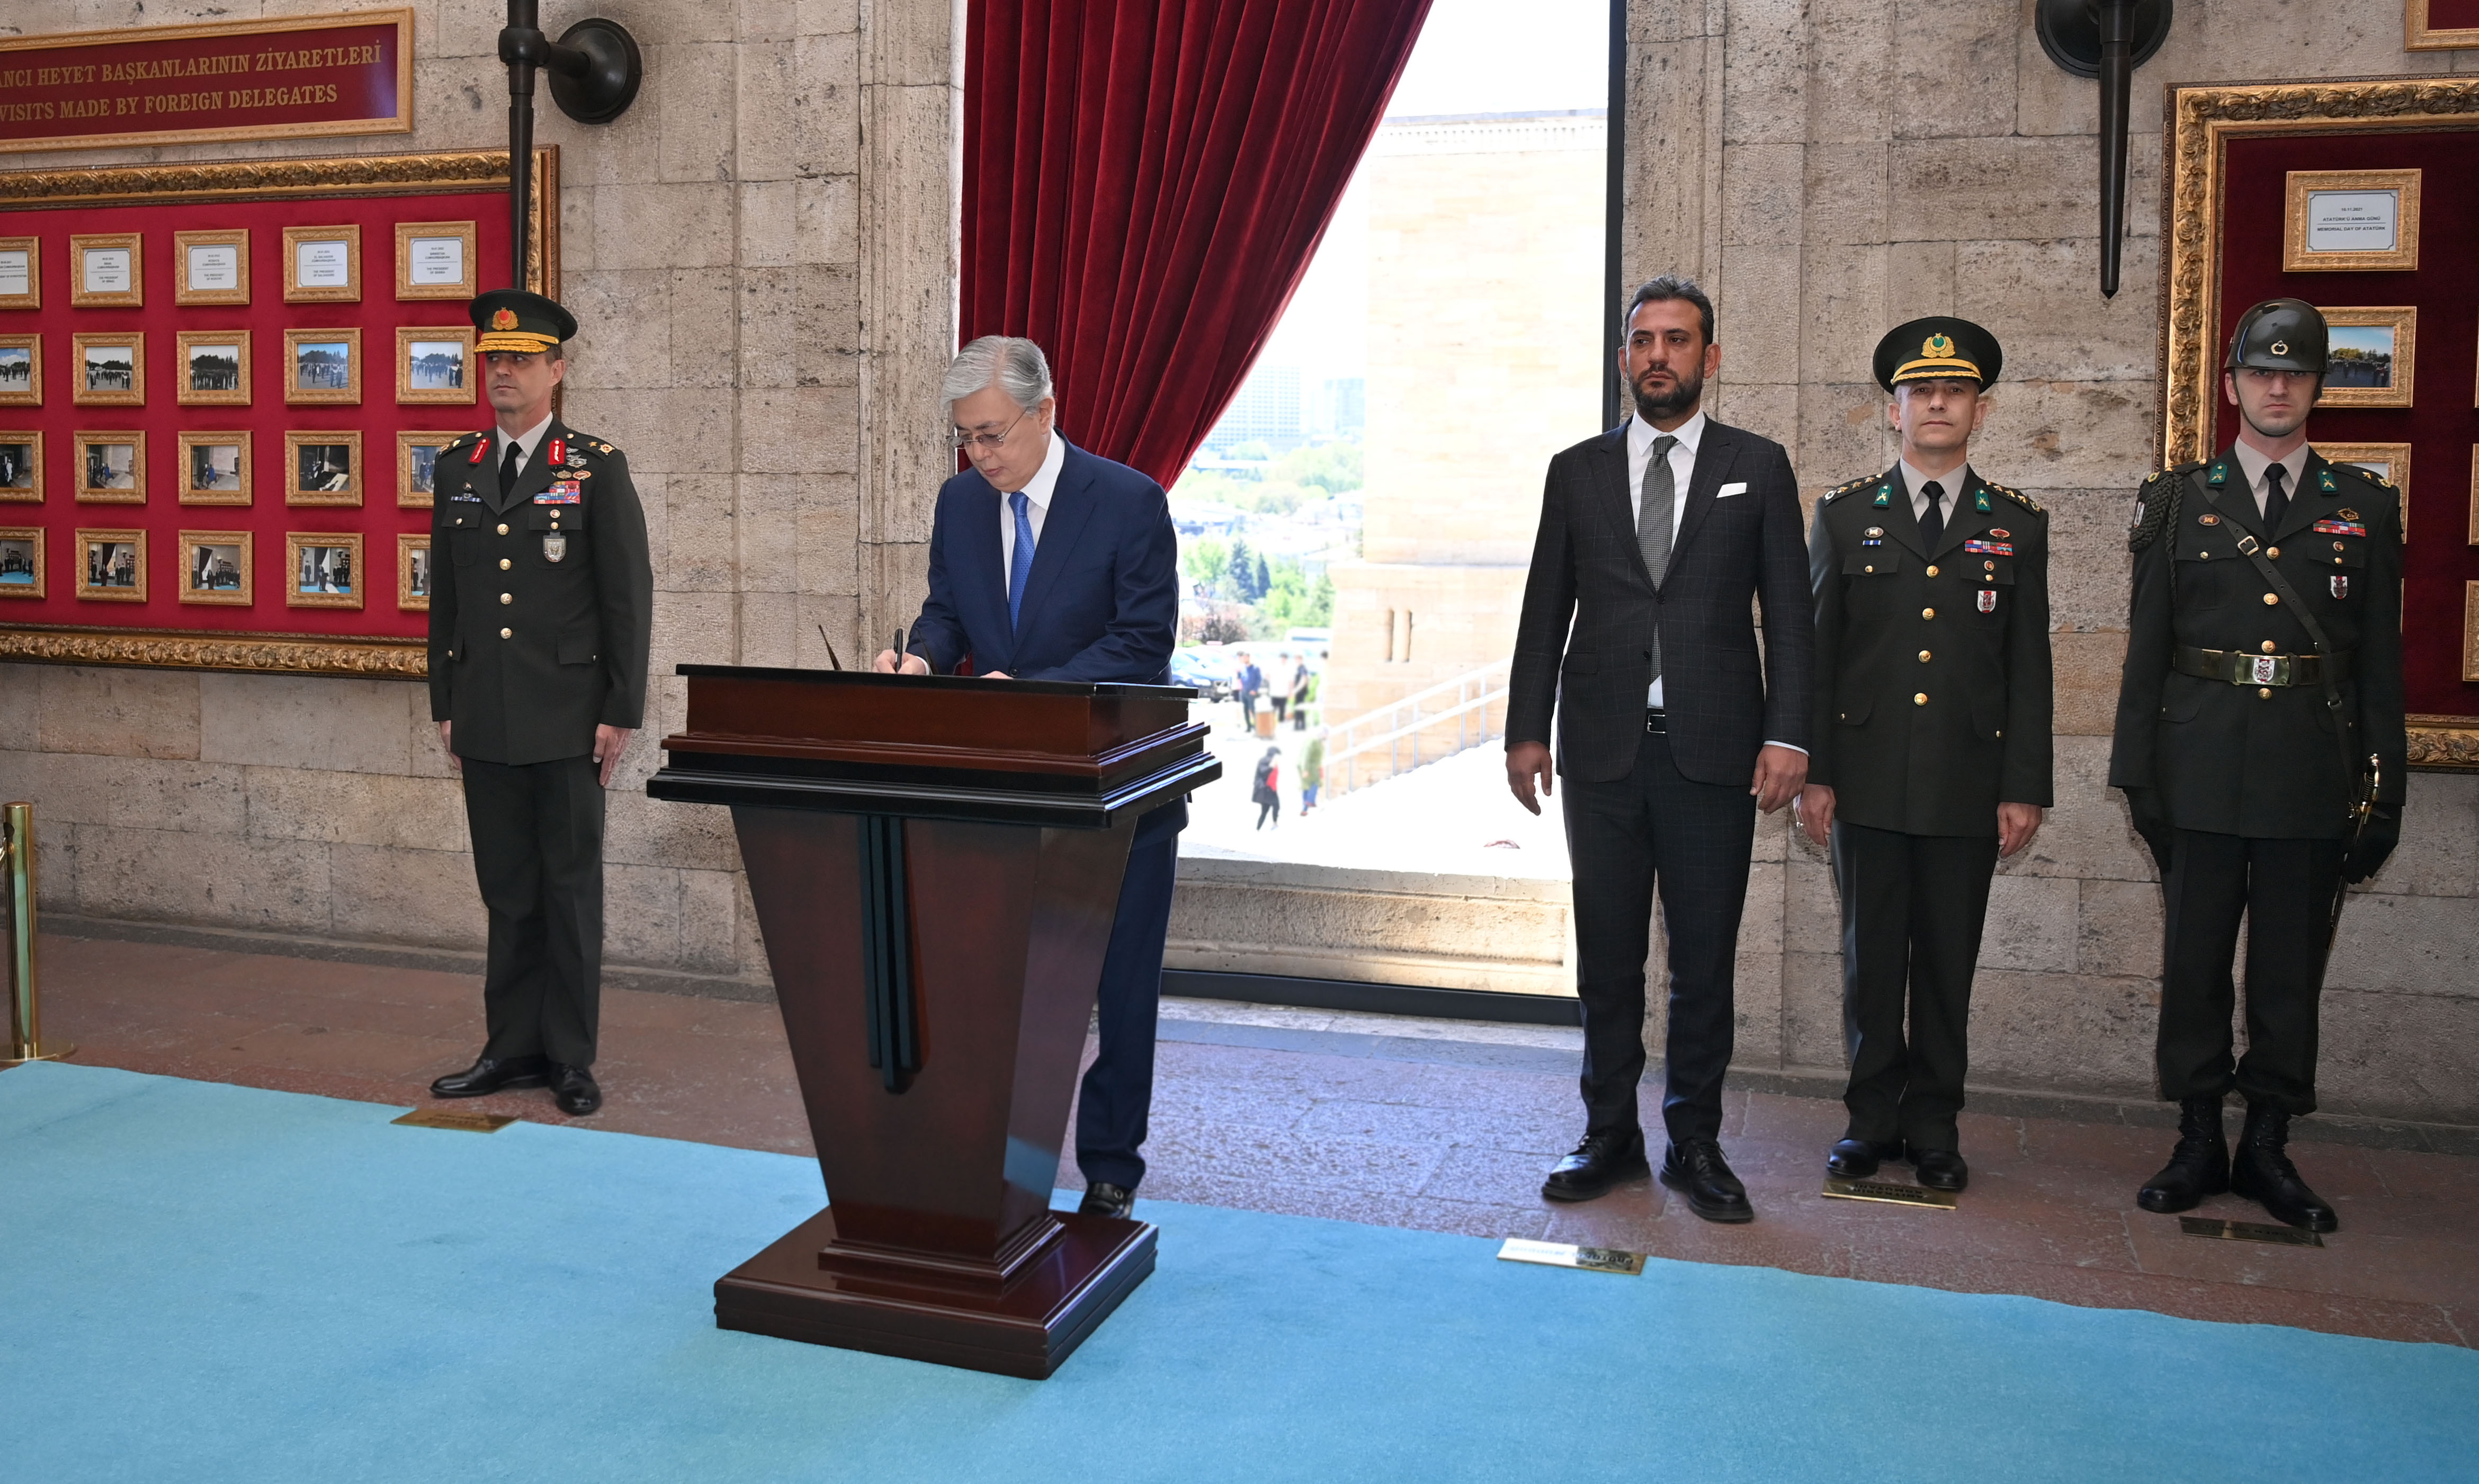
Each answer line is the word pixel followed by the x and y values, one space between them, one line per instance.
pixel 1464 700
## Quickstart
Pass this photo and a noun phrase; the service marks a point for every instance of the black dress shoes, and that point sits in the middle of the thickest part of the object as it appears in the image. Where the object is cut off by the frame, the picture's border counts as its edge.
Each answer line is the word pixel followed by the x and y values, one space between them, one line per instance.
pixel 487 1076
pixel 1102 1198
pixel 2200 1164
pixel 575 1090
pixel 1600 1162
pixel 1857 1158
pixel 1697 1170
pixel 2262 1172
pixel 1940 1169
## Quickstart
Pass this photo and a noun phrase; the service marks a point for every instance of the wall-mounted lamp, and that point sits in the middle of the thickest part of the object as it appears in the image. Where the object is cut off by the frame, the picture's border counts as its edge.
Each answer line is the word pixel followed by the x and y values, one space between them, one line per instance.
pixel 2107 39
pixel 595 69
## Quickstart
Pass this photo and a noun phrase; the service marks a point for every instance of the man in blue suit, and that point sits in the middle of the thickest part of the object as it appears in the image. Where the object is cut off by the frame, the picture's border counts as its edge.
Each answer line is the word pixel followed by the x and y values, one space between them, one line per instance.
pixel 1048 563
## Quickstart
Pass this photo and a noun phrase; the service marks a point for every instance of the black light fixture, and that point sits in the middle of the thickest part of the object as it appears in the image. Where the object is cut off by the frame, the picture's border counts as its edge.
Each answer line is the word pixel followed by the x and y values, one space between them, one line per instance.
pixel 2107 39
pixel 595 69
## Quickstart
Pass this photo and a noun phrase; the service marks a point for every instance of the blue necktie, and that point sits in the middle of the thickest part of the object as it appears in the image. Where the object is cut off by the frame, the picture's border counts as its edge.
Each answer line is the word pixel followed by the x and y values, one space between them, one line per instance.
pixel 1020 560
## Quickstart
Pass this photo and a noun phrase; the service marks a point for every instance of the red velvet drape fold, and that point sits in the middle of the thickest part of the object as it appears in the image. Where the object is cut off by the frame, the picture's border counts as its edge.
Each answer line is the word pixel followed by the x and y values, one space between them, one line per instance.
pixel 1145 181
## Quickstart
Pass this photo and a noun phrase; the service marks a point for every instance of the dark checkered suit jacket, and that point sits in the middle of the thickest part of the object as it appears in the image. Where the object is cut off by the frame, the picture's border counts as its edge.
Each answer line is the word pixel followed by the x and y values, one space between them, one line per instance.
pixel 1731 553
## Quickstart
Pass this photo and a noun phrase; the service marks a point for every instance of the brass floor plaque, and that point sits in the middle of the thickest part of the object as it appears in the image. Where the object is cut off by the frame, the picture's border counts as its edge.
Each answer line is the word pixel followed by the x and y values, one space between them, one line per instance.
pixel 454 1119
pixel 1889 1192
pixel 2248 1230
pixel 1566 1254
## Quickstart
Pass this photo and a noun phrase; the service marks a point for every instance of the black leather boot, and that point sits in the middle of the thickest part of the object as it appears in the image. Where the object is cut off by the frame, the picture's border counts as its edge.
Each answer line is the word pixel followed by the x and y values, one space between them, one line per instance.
pixel 2262 1172
pixel 2200 1164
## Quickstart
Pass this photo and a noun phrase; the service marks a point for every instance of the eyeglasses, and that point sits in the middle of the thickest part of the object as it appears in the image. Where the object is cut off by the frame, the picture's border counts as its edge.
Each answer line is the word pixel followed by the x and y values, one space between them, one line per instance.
pixel 985 441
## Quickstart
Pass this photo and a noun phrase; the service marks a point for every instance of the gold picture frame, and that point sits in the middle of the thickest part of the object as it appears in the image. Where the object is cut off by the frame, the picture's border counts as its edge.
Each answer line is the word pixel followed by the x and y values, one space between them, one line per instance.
pixel 420 365
pixel 21 370
pixel 2418 35
pixel 108 271
pixel 224 385
pixel 132 469
pixel 427 253
pixel 2389 334
pixel 94 384
pixel 2474 494
pixel 413 572
pixel 21 272
pixel 199 565
pixel 322 265
pixel 412 490
pixel 2338 207
pixel 327 386
pixel 204 272
pixel 226 482
pixel 2390 461
pixel 21 561
pixel 100 574
pixel 21 466
pixel 321 483
pixel 2470 631
pixel 306 573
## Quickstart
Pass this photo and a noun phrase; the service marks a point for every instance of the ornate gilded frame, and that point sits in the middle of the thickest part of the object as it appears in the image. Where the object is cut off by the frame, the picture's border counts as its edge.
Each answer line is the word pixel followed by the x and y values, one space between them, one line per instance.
pixel 477 170
pixel 2200 121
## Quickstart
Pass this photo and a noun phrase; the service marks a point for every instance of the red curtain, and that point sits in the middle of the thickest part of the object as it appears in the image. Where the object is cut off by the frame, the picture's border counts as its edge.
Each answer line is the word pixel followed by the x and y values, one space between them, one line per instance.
pixel 1145 181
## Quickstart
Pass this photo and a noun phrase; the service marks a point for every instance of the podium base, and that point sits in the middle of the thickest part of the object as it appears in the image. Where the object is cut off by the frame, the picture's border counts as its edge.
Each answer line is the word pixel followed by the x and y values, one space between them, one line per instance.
pixel 1026 1329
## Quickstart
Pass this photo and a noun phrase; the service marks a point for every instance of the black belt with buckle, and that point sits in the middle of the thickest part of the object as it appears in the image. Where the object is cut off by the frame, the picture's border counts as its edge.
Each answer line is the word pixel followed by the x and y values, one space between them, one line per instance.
pixel 2237 667
pixel 1655 720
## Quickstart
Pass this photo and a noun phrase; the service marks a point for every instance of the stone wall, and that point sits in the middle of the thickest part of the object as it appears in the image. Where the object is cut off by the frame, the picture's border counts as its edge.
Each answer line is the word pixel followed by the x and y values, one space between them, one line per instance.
pixel 762 256
pixel 1831 168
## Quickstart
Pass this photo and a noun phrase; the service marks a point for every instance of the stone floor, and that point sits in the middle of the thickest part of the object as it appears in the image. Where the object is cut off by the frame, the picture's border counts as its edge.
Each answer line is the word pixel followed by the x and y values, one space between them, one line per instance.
pixel 1433 1125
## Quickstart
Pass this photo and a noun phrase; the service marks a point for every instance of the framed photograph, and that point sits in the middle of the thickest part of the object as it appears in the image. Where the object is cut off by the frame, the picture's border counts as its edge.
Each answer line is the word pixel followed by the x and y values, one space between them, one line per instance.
pixel 434 365
pixel 417 466
pixel 106 270
pixel 111 468
pixel 2374 358
pixel 21 272
pixel 322 569
pixel 216 567
pixel 21 466
pixel 412 573
pixel 322 368
pixel 21 370
pixel 214 469
pixel 434 259
pixel 211 268
pixel 322 265
pixel 215 367
pixel 2439 25
pixel 21 561
pixel 111 368
pixel 2353 221
pixel 112 565
pixel 323 468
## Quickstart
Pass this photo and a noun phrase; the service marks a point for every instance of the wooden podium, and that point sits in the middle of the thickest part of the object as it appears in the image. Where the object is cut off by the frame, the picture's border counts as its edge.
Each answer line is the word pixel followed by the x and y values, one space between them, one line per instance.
pixel 935 865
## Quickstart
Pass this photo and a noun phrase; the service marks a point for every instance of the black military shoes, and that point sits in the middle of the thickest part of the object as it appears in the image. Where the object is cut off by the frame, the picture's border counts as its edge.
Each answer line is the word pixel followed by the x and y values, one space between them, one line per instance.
pixel 1600 1162
pixel 575 1090
pixel 2200 1164
pixel 1697 1170
pixel 2262 1172
pixel 1102 1198
pixel 487 1076
pixel 1940 1169
pixel 1857 1158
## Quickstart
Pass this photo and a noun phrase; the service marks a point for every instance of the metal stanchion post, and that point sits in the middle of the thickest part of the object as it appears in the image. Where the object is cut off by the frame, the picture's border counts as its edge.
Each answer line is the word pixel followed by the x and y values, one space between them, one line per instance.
pixel 25 1042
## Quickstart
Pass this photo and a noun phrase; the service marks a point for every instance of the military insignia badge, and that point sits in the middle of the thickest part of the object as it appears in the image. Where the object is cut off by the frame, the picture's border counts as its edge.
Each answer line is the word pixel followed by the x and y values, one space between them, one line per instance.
pixel 561 494
pixel 2340 585
pixel 1937 347
pixel 481 446
pixel 1988 600
pixel 2007 535
pixel 2344 528
pixel 2347 514
pixel 1884 496
pixel 1980 501
pixel 555 547
pixel 2207 518
pixel 558 452
pixel 1990 547
pixel 2217 476
pixel 503 320
pixel 2324 479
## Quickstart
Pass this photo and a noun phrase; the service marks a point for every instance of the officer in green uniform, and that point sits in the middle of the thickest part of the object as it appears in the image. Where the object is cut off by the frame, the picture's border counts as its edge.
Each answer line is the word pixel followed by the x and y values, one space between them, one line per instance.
pixel 540 607
pixel 1931 745
pixel 2261 708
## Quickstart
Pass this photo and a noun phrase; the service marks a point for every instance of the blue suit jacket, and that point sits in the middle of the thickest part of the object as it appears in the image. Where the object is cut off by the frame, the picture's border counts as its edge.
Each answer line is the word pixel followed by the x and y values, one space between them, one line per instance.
pixel 1100 604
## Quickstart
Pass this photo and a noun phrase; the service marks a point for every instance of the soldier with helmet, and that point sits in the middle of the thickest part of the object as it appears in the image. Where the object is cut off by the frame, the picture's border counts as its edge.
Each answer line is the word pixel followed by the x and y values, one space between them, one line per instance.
pixel 2260 744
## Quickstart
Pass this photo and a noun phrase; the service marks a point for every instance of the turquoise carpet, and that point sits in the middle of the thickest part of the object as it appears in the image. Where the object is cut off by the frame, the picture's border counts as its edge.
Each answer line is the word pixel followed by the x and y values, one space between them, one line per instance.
pixel 208 1283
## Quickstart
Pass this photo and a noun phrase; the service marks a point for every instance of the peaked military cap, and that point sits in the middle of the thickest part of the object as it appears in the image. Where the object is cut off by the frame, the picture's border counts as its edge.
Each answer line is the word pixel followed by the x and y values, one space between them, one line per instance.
pixel 2286 335
pixel 1938 348
pixel 515 319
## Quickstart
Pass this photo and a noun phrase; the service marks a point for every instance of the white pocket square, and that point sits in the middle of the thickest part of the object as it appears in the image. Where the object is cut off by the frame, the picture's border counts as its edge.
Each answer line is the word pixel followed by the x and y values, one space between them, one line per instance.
pixel 1729 490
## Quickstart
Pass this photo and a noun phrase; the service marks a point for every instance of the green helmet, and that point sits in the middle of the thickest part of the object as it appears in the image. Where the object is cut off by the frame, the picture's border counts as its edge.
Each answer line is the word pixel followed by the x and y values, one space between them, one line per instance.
pixel 2283 335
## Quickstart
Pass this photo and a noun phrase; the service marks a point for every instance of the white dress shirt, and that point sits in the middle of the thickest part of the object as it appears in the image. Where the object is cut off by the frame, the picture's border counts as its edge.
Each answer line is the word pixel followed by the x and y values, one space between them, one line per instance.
pixel 1953 481
pixel 1682 466
pixel 1036 499
pixel 528 440
pixel 2253 464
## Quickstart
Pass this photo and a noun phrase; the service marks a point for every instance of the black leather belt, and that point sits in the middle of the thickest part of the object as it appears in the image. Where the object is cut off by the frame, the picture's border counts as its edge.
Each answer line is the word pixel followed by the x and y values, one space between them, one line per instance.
pixel 1655 720
pixel 2237 667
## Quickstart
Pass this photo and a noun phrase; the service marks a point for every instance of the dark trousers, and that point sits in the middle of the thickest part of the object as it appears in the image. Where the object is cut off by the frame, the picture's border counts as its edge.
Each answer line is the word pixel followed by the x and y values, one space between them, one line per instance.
pixel 1657 827
pixel 1119 1090
pixel 2284 889
pixel 537 834
pixel 1912 908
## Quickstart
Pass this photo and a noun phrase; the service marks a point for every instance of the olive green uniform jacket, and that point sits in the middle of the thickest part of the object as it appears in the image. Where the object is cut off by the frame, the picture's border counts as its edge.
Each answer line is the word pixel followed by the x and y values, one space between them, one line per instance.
pixel 1933 689
pixel 541 604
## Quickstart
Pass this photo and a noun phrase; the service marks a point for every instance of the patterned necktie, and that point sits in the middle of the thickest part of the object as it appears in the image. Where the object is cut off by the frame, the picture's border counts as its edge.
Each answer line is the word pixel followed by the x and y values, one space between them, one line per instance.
pixel 2276 500
pixel 1932 524
pixel 508 471
pixel 1019 560
pixel 1654 511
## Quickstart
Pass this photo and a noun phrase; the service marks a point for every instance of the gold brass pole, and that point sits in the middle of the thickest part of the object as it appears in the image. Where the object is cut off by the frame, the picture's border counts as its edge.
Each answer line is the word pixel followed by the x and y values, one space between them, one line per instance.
pixel 25 1016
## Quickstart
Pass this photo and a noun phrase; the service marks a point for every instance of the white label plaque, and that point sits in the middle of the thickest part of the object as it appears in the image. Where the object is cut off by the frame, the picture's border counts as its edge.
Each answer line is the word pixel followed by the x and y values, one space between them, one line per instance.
pixel 215 267
pixel 13 276
pixel 2353 221
pixel 322 265
pixel 106 269
pixel 435 260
